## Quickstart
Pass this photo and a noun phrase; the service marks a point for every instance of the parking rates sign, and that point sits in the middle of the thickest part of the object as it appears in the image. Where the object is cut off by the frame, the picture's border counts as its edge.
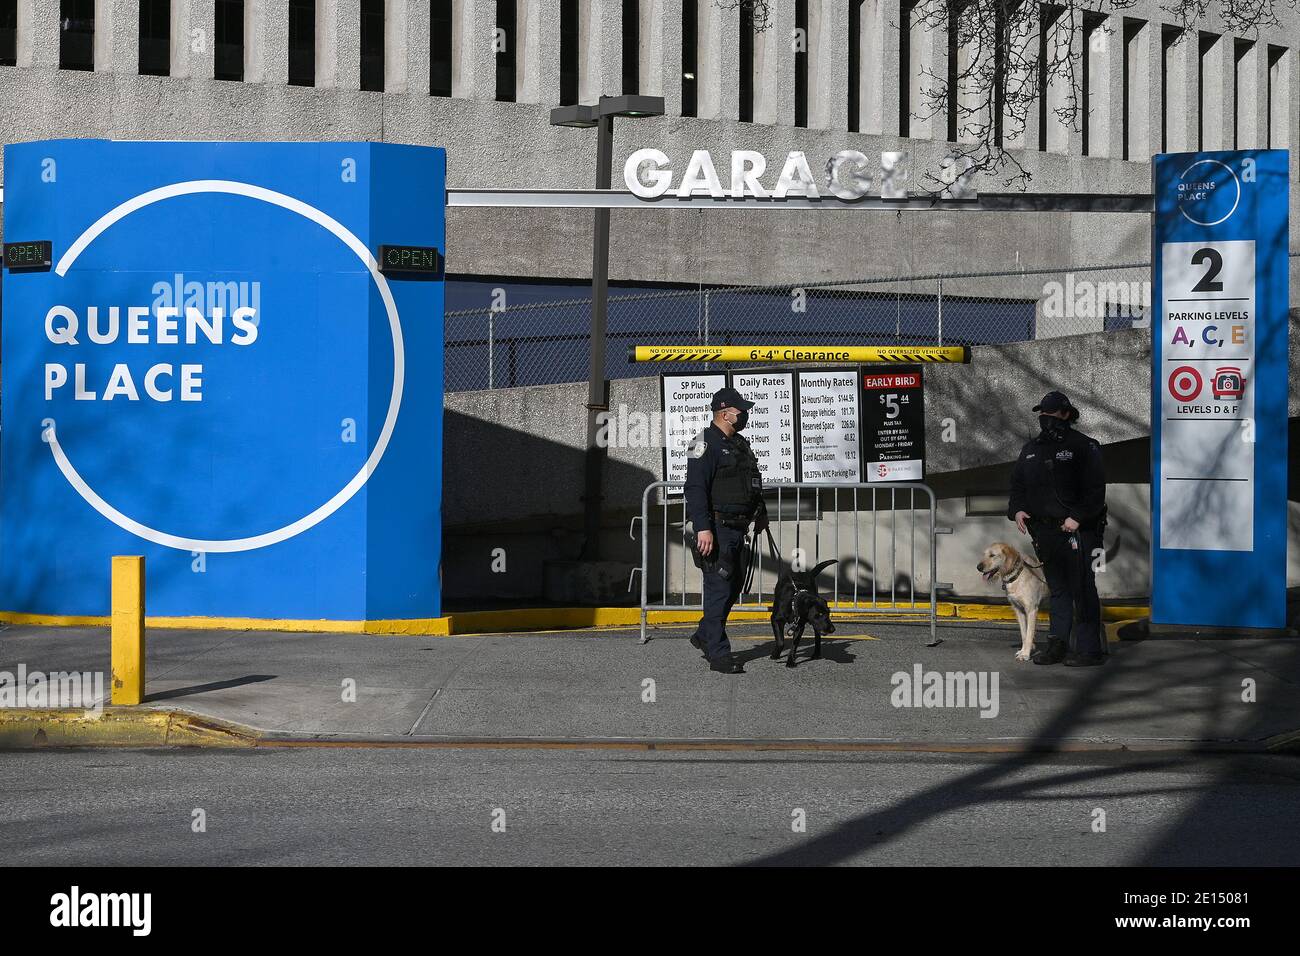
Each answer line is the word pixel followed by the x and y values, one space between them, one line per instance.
pixel 1219 389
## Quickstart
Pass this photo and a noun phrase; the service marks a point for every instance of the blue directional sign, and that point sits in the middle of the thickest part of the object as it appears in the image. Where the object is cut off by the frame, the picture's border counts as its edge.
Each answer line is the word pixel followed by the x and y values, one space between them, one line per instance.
pixel 214 371
pixel 1219 389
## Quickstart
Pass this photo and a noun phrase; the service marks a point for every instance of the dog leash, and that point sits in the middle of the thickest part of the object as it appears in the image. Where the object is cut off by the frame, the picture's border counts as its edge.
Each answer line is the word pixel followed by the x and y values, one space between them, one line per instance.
pixel 773 552
pixel 772 549
pixel 749 571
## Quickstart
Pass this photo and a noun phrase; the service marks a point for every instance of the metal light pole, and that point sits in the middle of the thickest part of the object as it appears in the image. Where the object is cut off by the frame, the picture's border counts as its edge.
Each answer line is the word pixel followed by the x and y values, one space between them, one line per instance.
pixel 602 117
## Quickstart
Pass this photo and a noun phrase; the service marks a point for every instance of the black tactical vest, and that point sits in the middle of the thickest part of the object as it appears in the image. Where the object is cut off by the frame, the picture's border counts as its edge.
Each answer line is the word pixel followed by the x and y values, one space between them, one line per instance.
pixel 737 484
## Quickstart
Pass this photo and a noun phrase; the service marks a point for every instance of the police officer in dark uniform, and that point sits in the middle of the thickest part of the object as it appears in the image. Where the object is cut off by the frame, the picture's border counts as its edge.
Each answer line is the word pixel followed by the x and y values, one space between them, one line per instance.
pixel 1058 498
pixel 724 493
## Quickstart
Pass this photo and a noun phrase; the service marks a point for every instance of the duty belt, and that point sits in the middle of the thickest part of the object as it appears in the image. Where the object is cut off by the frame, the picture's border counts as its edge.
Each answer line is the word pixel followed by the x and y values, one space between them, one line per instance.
pixel 733 518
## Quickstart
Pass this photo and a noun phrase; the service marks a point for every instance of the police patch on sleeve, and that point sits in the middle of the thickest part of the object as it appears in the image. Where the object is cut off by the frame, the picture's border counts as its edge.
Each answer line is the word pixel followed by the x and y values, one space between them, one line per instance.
pixel 697 448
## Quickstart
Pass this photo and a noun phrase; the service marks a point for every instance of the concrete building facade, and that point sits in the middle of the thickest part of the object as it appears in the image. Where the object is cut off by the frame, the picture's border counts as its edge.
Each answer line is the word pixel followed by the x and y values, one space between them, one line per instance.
pixel 480 77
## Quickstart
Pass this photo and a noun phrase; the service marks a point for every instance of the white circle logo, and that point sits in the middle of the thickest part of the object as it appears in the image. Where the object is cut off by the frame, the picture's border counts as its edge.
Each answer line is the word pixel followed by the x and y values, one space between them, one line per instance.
pixel 1205 192
pixel 335 228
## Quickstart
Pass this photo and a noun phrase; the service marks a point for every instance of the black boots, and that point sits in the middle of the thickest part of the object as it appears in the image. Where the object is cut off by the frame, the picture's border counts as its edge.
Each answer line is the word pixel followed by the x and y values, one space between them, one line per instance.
pixel 726 664
pixel 1057 651
pixel 1054 653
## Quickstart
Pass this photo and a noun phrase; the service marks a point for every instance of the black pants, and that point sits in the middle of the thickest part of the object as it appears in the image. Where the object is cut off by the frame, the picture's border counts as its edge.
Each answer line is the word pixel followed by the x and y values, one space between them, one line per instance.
pixel 1070 578
pixel 719 593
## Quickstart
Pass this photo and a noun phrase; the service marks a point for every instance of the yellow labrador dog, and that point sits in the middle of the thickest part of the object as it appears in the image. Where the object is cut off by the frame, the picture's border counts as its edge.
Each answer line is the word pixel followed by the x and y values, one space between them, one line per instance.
pixel 1025 586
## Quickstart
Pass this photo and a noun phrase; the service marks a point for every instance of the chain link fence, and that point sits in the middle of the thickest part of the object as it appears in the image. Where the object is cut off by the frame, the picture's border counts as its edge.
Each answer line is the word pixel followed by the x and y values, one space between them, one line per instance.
pixel 548 342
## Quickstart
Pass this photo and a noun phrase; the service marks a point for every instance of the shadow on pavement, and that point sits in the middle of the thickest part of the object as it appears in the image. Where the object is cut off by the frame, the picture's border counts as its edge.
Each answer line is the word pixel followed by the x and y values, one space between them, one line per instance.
pixel 205 688
pixel 1004 780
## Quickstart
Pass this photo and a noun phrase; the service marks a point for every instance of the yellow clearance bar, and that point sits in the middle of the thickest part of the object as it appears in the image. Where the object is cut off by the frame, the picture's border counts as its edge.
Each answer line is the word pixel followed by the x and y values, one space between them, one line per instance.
pixel 899 354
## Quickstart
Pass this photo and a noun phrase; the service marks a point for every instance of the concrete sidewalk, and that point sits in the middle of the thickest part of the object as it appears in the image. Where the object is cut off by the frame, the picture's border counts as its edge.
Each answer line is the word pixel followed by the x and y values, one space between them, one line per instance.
pixel 591 685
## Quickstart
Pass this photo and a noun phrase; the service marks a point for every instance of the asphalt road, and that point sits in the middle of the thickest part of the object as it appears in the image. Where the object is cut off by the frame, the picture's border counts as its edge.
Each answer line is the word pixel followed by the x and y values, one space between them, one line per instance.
pixel 393 807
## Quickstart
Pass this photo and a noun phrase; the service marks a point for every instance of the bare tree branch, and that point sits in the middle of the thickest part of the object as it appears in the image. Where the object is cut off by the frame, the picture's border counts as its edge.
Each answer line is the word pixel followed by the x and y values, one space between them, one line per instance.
pixel 1015 68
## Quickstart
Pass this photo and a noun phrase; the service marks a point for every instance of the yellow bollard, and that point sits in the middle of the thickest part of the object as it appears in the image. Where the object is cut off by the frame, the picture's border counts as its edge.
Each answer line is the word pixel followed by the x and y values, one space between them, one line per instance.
pixel 128 629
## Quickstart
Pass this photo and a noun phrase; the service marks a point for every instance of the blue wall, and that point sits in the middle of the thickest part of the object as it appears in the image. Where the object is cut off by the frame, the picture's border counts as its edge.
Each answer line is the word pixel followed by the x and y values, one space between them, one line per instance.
pixel 266 442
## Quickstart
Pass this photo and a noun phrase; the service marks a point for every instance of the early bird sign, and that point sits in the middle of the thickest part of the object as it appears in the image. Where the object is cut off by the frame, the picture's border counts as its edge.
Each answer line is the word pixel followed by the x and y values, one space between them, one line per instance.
pixel 903 354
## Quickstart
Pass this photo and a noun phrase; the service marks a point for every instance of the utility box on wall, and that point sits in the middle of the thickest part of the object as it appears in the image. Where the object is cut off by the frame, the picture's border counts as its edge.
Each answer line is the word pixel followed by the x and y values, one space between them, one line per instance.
pixel 232 364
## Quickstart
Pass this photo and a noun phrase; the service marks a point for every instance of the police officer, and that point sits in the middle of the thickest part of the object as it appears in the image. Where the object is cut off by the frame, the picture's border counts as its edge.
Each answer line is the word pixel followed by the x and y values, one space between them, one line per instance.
pixel 1058 498
pixel 724 493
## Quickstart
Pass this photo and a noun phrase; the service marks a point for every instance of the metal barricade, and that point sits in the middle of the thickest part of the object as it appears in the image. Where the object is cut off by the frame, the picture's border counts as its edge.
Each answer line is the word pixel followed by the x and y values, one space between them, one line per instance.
pixel 810 522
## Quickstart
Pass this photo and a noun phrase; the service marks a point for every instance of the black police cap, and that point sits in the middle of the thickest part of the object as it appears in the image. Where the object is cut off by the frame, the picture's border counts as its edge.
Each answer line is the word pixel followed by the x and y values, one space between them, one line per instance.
pixel 1053 402
pixel 1057 402
pixel 728 397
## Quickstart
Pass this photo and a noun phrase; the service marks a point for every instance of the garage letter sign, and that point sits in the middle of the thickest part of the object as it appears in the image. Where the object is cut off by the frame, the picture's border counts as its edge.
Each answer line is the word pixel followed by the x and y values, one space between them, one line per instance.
pixel 1219 389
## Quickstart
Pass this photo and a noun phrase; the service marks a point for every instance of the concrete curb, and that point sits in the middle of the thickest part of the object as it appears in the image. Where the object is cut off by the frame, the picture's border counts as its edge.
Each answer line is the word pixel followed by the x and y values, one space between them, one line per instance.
pixel 547 618
pixel 33 729
pixel 145 727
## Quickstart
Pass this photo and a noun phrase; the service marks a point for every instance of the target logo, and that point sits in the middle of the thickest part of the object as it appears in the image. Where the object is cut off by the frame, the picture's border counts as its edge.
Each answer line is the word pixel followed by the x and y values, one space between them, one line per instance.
pixel 1185 383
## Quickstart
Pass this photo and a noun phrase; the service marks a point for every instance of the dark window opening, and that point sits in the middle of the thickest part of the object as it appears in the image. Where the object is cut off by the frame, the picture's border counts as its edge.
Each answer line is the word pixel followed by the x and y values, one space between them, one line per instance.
pixel 955 8
pixel 1092 22
pixel 155 38
pixel 8 32
pixel 1047 17
pixel 568 52
pixel 746 63
pixel 1003 30
pixel 996 102
pixel 631 47
pixel 229 51
pixel 77 35
pixel 905 68
pixel 690 56
pixel 372 46
pixel 302 42
pixel 440 34
pixel 855 66
pixel 801 63
pixel 1086 88
pixel 505 47
pixel 1132 31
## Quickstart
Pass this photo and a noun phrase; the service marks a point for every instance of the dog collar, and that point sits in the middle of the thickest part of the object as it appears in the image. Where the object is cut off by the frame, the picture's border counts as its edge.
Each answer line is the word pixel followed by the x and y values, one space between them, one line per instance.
pixel 1010 579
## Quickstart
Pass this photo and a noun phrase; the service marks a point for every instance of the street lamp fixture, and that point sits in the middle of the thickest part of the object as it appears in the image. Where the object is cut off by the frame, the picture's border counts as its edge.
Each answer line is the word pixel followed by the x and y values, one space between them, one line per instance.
pixel 601 115
pixel 631 105
pixel 579 117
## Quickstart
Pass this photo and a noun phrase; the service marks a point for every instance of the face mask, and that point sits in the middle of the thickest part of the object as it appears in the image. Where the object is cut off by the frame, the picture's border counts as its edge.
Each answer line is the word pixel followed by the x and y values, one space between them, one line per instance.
pixel 742 419
pixel 1052 426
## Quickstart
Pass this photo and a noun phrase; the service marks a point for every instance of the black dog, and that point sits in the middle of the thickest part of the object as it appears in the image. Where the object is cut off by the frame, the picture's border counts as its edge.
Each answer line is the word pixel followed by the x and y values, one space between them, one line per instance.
pixel 796 605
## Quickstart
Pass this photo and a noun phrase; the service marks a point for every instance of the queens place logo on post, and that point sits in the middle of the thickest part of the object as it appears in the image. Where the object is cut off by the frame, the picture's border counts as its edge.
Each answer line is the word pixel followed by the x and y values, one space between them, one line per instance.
pixel 192 368
pixel 1208 191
